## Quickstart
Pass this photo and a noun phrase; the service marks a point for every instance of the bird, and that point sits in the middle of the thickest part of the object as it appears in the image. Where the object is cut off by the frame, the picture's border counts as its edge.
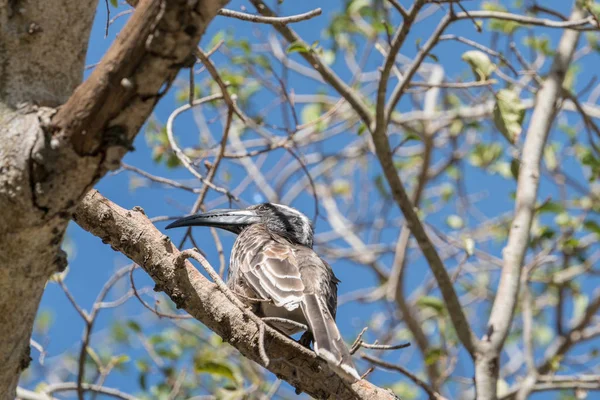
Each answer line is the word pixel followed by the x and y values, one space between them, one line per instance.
pixel 273 261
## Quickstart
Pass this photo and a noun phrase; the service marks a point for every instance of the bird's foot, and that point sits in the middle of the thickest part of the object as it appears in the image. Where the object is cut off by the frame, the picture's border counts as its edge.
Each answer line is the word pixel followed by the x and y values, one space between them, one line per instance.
pixel 306 339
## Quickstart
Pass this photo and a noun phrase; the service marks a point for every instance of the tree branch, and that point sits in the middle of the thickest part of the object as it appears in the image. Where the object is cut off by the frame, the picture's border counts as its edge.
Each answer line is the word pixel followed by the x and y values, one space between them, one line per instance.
pixel 527 187
pixel 580 23
pixel 56 156
pixel 433 395
pixel 132 233
pixel 313 59
pixel 155 44
pixel 384 154
pixel 486 375
pixel 271 20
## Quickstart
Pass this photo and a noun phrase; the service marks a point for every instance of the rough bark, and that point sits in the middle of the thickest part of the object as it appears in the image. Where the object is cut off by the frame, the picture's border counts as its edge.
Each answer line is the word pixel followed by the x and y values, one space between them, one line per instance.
pixel 49 159
pixel 132 233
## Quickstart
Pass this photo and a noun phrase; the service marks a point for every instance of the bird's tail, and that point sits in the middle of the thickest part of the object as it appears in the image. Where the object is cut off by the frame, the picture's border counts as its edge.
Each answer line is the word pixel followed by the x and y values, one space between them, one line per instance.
pixel 328 341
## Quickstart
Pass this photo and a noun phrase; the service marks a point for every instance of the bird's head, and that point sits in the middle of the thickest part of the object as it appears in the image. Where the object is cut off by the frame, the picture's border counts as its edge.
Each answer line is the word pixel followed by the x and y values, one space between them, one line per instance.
pixel 279 219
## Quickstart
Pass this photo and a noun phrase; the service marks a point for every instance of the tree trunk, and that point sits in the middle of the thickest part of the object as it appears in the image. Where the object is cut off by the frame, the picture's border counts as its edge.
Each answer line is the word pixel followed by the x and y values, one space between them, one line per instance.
pixel 50 159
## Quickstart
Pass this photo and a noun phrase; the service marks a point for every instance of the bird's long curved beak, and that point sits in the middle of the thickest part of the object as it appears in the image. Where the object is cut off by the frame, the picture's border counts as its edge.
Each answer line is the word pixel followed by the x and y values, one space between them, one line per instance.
pixel 224 218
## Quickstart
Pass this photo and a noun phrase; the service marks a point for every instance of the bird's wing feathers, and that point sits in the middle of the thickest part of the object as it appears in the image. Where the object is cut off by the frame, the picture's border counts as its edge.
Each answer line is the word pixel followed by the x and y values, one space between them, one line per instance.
pixel 274 274
pixel 319 307
pixel 294 276
pixel 328 341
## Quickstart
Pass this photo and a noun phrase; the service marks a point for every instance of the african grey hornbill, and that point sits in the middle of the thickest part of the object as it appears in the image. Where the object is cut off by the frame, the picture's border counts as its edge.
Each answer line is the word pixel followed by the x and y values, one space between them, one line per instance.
pixel 273 259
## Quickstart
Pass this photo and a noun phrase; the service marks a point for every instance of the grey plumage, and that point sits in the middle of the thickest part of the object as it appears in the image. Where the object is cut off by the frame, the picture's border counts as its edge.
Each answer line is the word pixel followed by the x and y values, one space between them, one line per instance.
pixel 272 259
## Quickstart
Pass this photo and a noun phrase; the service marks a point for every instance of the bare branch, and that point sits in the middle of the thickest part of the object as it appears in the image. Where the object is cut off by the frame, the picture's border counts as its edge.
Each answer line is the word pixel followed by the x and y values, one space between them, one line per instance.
pixel 433 395
pixel 579 23
pixel 271 20
pixel 527 187
pixel 327 73
pixel 528 182
pixel 190 290
pixel 384 154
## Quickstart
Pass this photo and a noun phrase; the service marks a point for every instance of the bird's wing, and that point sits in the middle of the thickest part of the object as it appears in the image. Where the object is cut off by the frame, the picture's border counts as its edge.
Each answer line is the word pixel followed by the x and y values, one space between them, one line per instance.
pixel 319 307
pixel 273 273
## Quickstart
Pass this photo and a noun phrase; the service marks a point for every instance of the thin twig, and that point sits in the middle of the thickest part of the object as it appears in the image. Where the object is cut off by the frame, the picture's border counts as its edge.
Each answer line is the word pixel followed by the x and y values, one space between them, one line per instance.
pixel 228 293
pixel 393 367
pixel 86 387
pixel 271 20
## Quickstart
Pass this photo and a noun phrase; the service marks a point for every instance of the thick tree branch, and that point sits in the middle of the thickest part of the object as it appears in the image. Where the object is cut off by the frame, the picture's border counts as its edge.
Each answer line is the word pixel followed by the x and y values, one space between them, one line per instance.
pixel 527 187
pixel 132 233
pixel 518 239
pixel 155 44
pixel 50 159
pixel 384 154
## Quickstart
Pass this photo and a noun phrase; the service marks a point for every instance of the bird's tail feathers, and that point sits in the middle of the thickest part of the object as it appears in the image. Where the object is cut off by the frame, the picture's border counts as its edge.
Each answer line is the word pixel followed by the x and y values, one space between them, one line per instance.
pixel 328 342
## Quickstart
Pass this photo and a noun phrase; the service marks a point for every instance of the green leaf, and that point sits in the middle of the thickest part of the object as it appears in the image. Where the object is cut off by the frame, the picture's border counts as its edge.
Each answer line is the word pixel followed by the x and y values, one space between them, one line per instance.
pixel 498 25
pixel 571 76
pixel 555 363
pixel 433 355
pixel 405 391
pixel 328 57
pixel 341 187
pixel 433 303
pixel 357 5
pixel 469 246
pixel 220 35
pixel 310 112
pixel 562 219
pixel 172 161
pixel 433 57
pixel 361 129
pixel 585 203
pixel 588 159
pixel 121 359
pixel 297 47
pixel 580 303
pixel 539 43
pixel 381 187
pixel 455 222
pixel 456 128
pixel 142 366
pixel 93 355
pixel 412 136
pixel 503 168
pixel 509 114
pixel 142 381
pixel 43 321
pixel 550 158
pixel 119 333
pixel 594 8
pixel 515 166
pixel 216 368
pixel 542 334
pixel 447 191
pixel 480 63
pixel 592 226
pixel 114 3
pixel 593 41
pixel 550 207
pixel 484 154
pixel 231 394
pixel 134 326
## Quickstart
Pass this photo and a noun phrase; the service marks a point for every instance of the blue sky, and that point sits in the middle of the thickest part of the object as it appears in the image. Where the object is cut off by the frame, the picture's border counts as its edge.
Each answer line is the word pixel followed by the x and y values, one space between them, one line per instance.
pixel 93 262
